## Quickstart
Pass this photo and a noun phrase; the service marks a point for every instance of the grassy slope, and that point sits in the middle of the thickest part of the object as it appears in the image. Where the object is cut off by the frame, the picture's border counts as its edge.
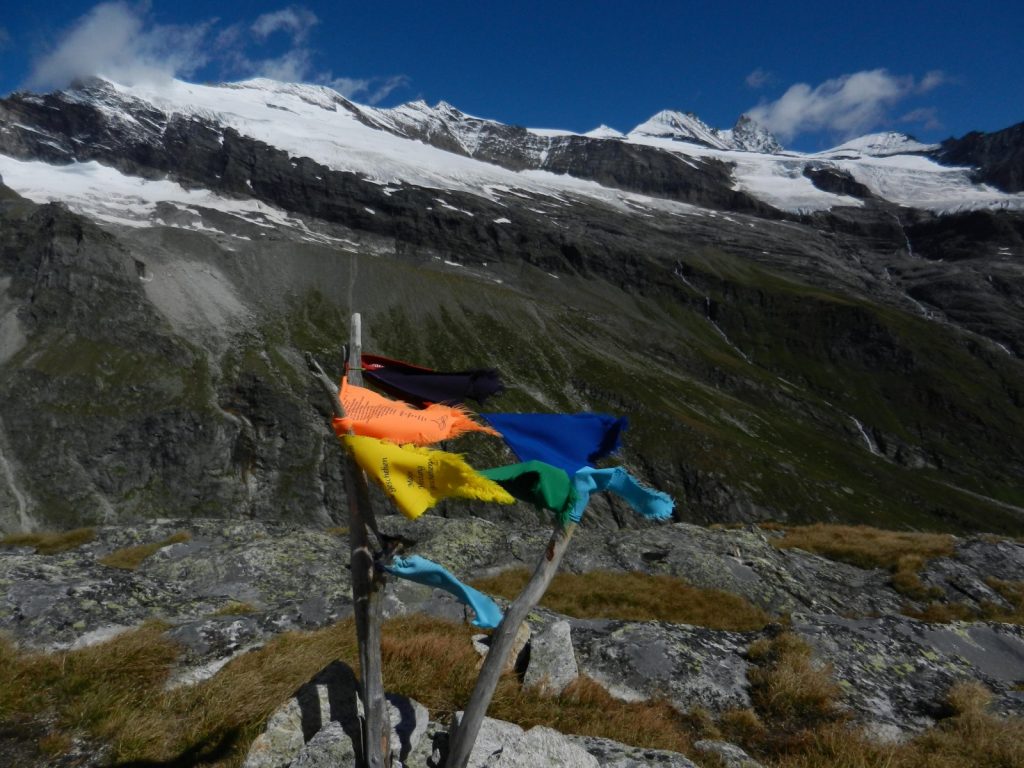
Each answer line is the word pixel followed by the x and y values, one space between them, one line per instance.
pixel 694 402
pixel 773 425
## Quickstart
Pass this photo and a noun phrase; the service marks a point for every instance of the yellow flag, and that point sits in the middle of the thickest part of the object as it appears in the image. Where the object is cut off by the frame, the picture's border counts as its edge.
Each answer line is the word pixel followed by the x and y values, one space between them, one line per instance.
pixel 417 478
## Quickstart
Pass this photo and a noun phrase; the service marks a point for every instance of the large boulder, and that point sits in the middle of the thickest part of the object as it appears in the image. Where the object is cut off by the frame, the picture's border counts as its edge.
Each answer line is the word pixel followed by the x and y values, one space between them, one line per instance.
pixel 690 666
pixel 322 725
pixel 506 745
pixel 552 659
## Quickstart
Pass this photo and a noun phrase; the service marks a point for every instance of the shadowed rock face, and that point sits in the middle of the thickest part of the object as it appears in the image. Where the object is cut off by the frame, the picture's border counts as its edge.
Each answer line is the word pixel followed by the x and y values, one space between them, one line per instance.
pixel 644 169
pixel 997 157
pixel 837 365
pixel 836 181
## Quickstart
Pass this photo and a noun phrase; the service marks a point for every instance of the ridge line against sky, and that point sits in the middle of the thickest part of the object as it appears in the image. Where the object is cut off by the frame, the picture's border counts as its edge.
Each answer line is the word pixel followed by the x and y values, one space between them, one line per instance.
pixel 815 74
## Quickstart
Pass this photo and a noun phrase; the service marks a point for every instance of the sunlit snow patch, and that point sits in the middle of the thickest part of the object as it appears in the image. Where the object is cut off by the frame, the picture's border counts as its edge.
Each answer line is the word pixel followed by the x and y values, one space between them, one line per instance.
pixel 330 130
pixel 107 195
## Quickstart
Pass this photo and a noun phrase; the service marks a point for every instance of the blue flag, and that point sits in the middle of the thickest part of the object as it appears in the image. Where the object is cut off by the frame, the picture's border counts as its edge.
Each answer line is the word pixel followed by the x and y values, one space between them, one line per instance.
pixel 564 440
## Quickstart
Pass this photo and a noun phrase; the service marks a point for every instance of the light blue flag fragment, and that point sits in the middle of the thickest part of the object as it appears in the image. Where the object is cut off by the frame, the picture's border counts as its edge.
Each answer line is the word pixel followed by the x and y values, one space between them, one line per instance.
pixel 423 571
pixel 645 501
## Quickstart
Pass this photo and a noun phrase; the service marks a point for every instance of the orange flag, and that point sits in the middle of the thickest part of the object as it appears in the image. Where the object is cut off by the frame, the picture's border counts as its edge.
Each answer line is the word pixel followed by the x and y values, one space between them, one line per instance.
pixel 372 415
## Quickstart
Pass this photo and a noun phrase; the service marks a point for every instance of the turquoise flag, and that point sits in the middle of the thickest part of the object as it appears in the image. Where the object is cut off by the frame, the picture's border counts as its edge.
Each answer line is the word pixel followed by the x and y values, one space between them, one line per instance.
pixel 423 571
pixel 645 501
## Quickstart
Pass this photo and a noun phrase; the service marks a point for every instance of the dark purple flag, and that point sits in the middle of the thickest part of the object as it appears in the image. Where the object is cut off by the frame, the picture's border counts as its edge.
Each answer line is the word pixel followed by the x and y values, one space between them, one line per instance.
pixel 422 386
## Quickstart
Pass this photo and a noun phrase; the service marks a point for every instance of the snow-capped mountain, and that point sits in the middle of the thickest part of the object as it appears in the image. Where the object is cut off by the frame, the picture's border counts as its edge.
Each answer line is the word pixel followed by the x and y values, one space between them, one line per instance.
pixel 441 147
pixel 750 135
pixel 747 135
pixel 881 145
pixel 680 126
pixel 414 143
pixel 723 291
pixel 605 132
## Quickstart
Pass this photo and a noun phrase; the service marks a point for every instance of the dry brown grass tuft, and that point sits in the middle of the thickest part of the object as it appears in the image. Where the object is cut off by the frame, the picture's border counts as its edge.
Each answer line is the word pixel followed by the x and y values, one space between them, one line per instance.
pixel 52 542
pixel 942 613
pixel 93 691
pixel 839 746
pixel 902 552
pixel 742 726
pixel 223 714
pixel 234 608
pixel 788 687
pixel 115 693
pixel 634 597
pixel 432 661
pixel 130 558
pixel 972 736
pixel 587 709
pixel 1011 591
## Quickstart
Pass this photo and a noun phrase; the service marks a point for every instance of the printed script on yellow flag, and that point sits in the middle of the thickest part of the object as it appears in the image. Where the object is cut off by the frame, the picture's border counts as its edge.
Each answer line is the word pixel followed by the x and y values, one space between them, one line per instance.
pixel 417 478
pixel 373 415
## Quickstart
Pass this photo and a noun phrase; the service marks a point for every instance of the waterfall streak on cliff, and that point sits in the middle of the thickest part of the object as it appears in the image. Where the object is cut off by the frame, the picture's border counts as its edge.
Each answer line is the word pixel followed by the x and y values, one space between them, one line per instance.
pixel 867 438
pixel 906 238
pixel 24 518
pixel 707 315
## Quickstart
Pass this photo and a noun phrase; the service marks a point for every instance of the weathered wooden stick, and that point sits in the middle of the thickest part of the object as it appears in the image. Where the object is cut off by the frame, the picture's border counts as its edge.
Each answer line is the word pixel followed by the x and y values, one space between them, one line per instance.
pixel 367 582
pixel 463 738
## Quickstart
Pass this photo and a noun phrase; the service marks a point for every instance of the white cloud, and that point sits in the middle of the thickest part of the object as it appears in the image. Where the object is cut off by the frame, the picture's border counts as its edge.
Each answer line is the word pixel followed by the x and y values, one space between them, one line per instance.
pixel 384 86
pixel 294 65
pixel 296 21
pixel 291 67
pixel 112 40
pixel 847 105
pixel 369 91
pixel 231 38
pixel 759 78
pixel 349 87
pixel 926 117
pixel 118 41
pixel 932 80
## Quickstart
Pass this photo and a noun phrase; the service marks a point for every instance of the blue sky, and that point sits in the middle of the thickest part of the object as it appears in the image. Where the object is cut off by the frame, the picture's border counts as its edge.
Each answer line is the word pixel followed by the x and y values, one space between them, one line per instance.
pixel 816 73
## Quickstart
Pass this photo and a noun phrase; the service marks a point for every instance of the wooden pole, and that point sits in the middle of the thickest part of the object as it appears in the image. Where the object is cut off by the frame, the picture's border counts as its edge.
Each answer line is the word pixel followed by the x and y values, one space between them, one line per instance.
pixel 461 742
pixel 367 581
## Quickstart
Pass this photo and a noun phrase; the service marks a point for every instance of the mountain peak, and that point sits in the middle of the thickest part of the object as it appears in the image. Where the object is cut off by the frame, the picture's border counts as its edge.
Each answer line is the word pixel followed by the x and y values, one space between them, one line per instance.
pixel 680 126
pixel 750 135
pixel 446 108
pixel 884 144
pixel 604 132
